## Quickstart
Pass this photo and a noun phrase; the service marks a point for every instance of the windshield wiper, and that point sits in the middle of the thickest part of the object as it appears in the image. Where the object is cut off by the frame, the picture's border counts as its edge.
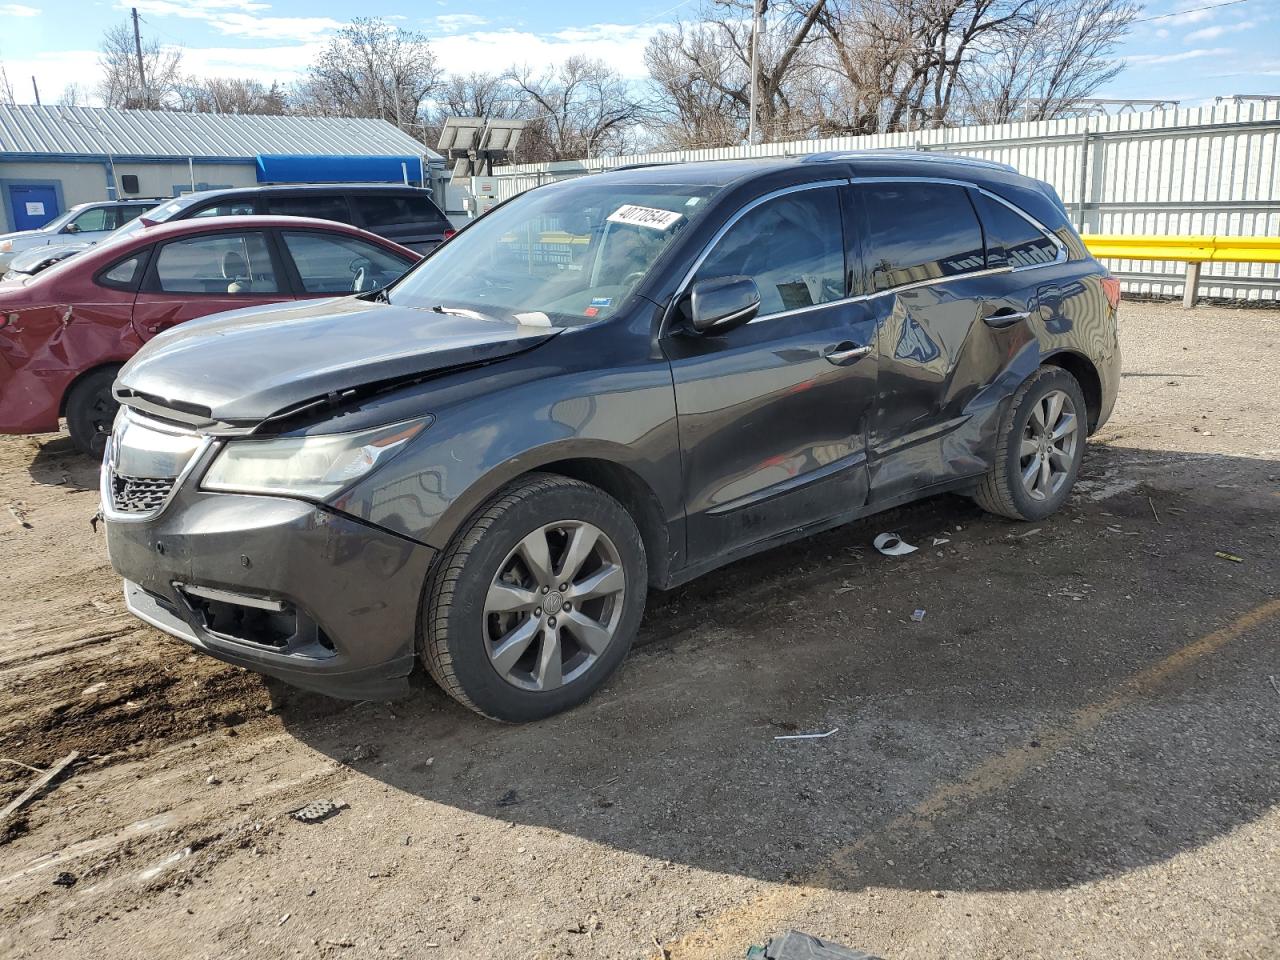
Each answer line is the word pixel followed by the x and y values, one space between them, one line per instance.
pixel 463 312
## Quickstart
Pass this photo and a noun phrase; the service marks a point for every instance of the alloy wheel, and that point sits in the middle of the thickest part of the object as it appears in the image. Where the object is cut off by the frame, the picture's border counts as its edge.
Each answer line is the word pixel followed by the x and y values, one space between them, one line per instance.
pixel 1048 447
pixel 554 605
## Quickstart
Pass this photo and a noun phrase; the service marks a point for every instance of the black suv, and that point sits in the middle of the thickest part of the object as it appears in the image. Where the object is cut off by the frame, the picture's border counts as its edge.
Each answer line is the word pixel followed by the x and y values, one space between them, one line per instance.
pixel 604 385
pixel 406 215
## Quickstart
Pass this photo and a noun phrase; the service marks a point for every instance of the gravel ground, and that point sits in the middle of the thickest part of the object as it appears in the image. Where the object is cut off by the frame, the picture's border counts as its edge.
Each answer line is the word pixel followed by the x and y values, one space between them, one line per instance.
pixel 1075 754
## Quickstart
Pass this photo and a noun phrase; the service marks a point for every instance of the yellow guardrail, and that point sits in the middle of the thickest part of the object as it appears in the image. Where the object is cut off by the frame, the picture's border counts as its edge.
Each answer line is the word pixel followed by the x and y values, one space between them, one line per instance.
pixel 1191 250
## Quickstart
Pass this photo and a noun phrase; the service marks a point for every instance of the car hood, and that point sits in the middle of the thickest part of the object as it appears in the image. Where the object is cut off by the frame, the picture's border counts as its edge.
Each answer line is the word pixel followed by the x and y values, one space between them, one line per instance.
pixel 248 365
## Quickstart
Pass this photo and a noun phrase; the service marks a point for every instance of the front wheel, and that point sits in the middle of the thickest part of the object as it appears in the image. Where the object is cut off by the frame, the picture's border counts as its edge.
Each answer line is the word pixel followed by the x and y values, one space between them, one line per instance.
pixel 1039 449
pixel 536 601
pixel 91 409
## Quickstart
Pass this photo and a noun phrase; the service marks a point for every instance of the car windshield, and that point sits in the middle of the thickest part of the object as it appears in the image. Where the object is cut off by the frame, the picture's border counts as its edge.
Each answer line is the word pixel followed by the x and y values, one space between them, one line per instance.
pixel 57 223
pixel 567 254
pixel 158 214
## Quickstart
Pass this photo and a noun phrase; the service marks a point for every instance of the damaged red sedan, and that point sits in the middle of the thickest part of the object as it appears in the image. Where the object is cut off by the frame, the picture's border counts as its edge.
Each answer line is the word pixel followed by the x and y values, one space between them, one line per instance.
pixel 64 333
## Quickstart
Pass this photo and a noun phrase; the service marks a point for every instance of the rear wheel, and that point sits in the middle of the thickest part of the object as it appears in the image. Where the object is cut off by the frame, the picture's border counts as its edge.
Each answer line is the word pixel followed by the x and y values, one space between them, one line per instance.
pixel 536 602
pixel 91 409
pixel 1039 450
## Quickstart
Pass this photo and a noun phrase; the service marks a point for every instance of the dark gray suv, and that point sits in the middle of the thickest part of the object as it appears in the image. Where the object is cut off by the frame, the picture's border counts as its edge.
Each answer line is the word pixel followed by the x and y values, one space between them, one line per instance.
pixel 604 385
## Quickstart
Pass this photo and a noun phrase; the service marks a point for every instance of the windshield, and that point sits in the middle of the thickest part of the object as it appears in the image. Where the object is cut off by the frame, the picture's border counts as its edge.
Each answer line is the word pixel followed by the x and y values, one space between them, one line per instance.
pixel 155 215
pixel 57 223
pixel 568 254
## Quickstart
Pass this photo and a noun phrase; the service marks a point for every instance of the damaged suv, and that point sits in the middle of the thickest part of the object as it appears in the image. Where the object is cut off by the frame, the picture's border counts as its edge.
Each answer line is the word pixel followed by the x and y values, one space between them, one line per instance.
pixel 605 384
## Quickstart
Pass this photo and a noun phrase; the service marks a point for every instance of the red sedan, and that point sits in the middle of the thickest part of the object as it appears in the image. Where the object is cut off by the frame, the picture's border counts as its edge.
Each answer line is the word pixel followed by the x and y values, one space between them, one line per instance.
pixel 65 332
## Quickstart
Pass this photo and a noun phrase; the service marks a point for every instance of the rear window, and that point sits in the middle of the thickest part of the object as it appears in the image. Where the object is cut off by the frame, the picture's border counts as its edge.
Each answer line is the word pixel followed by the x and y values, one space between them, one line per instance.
pixel 919 231
pixel 320 206
pixel 391 209
pixel 1012 239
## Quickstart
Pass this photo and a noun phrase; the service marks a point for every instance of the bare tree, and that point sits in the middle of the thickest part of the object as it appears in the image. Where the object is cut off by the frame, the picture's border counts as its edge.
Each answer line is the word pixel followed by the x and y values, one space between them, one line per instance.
pixel 121 85
pixel 6 88
pixel 232 95
pixel 583 108
pixel 371 68
pixel 1065 54
pixel 74 95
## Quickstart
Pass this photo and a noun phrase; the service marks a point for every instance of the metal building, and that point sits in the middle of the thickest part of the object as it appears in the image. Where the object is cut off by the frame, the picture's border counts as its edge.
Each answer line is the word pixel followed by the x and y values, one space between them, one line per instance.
pixel 52 157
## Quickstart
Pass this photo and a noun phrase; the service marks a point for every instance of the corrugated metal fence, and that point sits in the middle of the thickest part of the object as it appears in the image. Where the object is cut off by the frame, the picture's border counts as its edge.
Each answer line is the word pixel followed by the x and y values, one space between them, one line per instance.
pixel 1214 170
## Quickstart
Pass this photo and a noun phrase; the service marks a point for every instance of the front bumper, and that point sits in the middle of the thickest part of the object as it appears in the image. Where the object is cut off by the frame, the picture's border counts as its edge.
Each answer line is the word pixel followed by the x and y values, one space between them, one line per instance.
pixel 280 586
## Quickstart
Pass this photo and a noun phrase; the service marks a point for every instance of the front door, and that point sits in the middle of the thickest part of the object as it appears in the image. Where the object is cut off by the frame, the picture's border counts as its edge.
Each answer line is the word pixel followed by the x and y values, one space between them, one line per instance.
pixel 33 205
pixel 207 273
pixel 773 414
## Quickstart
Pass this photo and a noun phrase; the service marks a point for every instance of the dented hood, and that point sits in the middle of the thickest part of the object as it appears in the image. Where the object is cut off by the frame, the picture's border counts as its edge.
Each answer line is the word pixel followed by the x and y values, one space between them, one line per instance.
pixel 247 365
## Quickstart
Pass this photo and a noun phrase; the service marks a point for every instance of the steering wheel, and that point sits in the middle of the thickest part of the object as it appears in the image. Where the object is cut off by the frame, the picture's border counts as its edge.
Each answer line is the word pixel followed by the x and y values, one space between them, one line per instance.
pixel 358 281
pixel 632 278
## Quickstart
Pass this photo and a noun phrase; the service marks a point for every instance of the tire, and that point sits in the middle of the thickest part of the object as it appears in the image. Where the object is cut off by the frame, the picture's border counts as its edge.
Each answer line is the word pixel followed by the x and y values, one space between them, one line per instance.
pixel 90 411
pixel 468 648
pixel 1003 490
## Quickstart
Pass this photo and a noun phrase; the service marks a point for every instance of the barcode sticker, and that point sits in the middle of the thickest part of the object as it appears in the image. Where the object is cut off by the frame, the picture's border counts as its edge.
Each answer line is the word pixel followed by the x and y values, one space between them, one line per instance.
pixel 638 216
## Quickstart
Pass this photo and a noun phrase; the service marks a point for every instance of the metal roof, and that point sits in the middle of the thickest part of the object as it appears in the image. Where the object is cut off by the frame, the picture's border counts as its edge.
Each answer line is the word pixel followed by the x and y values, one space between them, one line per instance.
pixel 96 132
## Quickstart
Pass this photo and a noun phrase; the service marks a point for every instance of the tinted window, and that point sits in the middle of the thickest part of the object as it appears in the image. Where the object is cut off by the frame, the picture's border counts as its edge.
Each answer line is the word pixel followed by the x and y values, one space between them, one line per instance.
pixel 125 214
pixel 1012 240
pixel 228 208
pixel 235 263
pixel 792 246
pixel 319 205
pixel 389 209
pixel 918 231
pixel 328 263
pixel 123 274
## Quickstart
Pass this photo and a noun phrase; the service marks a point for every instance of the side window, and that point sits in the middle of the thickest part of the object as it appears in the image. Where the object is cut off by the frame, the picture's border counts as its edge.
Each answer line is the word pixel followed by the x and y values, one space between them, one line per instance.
pixel 1012 239
pixel 792 246
pixel 95 219
pixel 123 275
pixel 228 208
pixel 918 231
pixel 126 214
pixel 323 207
pixel 390 209
pixel 222 263
pixel 328 263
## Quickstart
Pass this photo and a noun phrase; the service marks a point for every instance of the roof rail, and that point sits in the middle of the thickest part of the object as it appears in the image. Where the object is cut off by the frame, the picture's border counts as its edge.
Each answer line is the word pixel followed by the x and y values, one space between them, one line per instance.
pixel 908 155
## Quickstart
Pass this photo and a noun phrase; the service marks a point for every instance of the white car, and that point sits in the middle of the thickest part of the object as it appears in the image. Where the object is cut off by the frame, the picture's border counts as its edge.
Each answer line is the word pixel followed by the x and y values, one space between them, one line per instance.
pixel 84 222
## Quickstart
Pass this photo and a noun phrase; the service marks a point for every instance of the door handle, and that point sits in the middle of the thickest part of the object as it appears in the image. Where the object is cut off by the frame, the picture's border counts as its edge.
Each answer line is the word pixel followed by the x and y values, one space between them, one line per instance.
pixel 1005 317
pixel 846 352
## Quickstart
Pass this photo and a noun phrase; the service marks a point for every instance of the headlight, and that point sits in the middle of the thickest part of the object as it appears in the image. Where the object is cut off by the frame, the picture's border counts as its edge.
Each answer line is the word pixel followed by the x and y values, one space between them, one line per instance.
pixel 313 467
pixel 6 246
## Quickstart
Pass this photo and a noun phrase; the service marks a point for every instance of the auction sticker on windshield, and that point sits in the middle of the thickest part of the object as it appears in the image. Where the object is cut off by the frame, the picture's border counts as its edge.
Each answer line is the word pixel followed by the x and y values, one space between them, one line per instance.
pixel 652 217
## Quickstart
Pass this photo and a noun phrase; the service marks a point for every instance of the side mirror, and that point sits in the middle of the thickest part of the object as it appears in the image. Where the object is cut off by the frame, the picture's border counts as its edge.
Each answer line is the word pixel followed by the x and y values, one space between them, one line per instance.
pixel 70 228
pixel 717 306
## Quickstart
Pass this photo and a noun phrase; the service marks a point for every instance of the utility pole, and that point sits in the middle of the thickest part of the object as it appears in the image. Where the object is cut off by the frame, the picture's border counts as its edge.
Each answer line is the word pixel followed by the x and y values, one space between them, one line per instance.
pixel 142 72
pixel 755 70
pixel 36 89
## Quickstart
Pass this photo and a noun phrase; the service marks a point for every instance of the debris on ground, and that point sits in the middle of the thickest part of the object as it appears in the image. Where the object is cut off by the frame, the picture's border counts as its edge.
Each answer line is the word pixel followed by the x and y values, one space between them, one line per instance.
pixel 1222 554
pixel 509 799
pixel 794 945
pixel 918 615
pixel 939 541
pixel 892 545
pixel 317 810
pixel 20 515
pixel 39 785
pixel 65 879
pixel 807 736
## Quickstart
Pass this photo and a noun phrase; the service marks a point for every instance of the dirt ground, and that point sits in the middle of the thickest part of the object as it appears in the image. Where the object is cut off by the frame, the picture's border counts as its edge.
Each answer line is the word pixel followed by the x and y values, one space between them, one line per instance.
pixel 1075 754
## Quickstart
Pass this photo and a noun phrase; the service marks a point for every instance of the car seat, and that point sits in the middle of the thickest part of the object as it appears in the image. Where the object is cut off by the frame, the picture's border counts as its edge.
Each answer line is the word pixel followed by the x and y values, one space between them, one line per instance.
pixel 236 270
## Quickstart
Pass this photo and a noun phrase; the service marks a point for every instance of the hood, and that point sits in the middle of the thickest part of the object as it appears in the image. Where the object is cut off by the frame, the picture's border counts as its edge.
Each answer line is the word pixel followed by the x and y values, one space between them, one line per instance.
pixel 245 366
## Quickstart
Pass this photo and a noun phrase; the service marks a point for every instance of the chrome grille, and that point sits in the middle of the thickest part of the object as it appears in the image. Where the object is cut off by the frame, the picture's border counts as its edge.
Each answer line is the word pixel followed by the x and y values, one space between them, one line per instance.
pixel 139 494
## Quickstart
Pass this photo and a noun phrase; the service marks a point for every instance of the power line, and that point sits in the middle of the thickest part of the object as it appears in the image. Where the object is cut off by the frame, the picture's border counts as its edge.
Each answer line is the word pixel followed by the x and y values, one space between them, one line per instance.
pixel 1183 13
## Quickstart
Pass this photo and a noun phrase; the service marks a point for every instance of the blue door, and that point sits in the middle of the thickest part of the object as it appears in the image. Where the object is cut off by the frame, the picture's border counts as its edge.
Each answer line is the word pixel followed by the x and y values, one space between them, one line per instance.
pixel 32 206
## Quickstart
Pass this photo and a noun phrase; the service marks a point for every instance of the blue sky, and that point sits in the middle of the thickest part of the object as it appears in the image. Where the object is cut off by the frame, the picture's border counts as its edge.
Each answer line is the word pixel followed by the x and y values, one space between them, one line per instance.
pixel 1192 56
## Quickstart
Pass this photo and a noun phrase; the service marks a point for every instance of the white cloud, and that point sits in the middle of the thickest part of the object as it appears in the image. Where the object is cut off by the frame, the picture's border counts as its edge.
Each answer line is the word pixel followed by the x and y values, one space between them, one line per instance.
pixel 18 10
pixel 1212 33
pixel 619 45
pixel 1149 59
pixel 455 22
pixel 241 18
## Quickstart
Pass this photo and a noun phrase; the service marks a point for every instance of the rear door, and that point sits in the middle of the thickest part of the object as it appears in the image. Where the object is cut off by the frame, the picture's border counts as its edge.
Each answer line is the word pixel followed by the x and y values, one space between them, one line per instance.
pixel 208 273
pixel 931 287
pixel 773 413
pixel 408 217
